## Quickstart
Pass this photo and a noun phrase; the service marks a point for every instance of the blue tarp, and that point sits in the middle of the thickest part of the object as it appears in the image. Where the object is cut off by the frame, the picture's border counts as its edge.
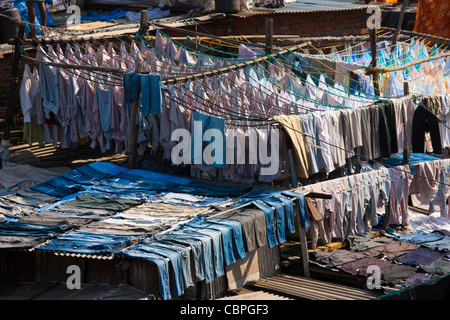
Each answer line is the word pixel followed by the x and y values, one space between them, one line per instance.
pixel 414 158
pixel 112 15
pixel 23 11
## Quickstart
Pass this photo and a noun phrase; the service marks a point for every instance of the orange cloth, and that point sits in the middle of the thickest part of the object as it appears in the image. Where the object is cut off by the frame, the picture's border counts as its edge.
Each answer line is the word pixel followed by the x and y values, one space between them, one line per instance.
pixel 433 17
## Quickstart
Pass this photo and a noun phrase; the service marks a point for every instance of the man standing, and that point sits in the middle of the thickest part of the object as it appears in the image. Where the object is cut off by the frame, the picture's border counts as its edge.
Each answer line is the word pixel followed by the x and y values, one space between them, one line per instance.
pixel 32 14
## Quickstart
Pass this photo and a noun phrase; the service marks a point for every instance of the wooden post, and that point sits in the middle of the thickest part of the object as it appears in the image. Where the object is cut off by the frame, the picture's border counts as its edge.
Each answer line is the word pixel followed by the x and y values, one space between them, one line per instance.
pixel 13 84
pixel 400 22
pixel 143 29
pixel 405 139
pixel 269 35
pixel 133 129
pixel 373 64
pixel 303 244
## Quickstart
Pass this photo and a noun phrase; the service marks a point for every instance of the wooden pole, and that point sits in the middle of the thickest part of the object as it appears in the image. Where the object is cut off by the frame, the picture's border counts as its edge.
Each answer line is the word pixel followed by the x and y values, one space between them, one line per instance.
pixel 269 35
pixel 13 84
pixel 405 138
pixel 133 129
pixel 143 29
pixel 373 64
pixel 400 21
pixel 303 244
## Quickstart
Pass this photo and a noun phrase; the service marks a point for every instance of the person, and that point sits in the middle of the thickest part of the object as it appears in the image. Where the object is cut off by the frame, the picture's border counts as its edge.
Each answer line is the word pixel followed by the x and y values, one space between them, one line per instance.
pixel 32 14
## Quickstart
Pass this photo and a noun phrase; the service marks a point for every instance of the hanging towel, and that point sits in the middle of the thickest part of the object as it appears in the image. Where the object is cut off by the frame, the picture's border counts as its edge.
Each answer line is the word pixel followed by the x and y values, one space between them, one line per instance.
pixel 151 94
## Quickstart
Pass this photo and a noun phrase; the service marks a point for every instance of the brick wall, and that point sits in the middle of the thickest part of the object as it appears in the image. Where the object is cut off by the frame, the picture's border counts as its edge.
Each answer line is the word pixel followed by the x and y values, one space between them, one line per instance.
pixel 314 23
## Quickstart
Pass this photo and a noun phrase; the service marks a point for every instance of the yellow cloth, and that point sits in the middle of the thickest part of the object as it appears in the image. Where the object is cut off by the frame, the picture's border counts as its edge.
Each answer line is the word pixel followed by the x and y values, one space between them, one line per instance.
pixel 293 128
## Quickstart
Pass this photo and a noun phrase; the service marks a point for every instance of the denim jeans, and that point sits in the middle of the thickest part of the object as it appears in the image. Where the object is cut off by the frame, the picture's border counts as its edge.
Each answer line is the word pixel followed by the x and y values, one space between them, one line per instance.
pixel 279 209
pixel 289 210
pixel 178 285
pixel 194 245
pixel 419 237
pixel 227 240
pixel 271 237
pixel 304 221
pixel 162 264
pixel 238 243
pixel 216 239
pixel 88 243
pixel 58 187
pixel 185 257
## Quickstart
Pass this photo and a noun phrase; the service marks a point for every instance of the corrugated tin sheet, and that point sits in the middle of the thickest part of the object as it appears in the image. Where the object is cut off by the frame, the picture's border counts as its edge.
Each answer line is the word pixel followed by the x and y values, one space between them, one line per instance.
pixel 310 289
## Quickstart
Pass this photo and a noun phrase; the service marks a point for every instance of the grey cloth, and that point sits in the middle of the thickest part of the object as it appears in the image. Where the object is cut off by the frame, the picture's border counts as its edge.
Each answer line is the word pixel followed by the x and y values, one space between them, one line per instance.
pixel 392 250
pixel 440 266
pixel 18 242
pixel 90 201
pixel 396 273
pixel 122 229
pixel 366 148
pixel 374 118
pixel 366 242
pixel 88 213
pixel 253 223
pixel 337 257
pixel 54 220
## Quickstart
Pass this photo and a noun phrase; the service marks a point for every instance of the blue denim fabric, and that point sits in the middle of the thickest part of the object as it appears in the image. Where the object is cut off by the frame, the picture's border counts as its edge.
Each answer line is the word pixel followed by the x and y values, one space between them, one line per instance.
pixel 178 285
pixel 419 237
pixel 90 171
pixel 79 177
pixel 238 243
pixel 271 237
pixel 439 245
pixel 151 94
pixel 131 87
pixel 58 187
pixel 206 250
pixel 197 253
pixel 104 101
pixel 207 122
pixel 279 209
pixel 304 221
pixel 227 240
pixel 88 243
pixel 185 256
pixel 215 236
pixel 289 210
pixel 20 226
pixel 161 263
pixel 122 194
